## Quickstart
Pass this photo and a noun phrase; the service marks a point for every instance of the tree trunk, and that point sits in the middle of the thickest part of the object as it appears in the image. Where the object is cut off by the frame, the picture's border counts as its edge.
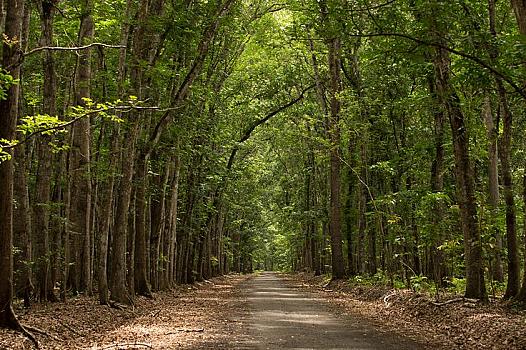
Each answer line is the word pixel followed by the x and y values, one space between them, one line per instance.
pixel 80 216
pixel 118 287
pixel 8 119
pixel 142 284
pixel 493 184
pixel 519 7
pixel 22 226
pixel 437 186
pixel 521 297
pixel 44 172
pixel 475 287
pixel 338 265
pixel 173 258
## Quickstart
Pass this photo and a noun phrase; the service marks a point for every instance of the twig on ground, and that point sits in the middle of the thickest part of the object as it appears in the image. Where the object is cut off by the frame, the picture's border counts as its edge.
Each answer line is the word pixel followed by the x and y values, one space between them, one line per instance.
pixel 125 346
pixel 456 300
pixel 386 298
pixel 156 313
pixel 187 330
pixel 40 331
pixel 68 327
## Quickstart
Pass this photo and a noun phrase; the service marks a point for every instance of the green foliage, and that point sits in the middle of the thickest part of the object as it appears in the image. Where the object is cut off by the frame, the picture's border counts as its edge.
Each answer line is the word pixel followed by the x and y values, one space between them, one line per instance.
pixel 6 81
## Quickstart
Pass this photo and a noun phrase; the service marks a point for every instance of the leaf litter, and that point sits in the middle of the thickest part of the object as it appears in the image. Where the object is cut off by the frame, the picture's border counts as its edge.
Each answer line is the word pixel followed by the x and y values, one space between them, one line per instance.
pixel 206 315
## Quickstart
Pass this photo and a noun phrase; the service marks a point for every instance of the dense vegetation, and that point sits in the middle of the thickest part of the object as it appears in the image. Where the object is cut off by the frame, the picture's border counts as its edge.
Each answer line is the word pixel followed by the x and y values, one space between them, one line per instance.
pixel 150 143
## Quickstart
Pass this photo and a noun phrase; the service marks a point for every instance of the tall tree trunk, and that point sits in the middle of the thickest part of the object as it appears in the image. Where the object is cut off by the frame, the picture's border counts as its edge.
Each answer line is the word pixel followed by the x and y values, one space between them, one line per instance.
pixel 142 284
pixel 8 119
pixel 493 184
pixel 513 285
pixel 22 226
pixel 519 7
pixel 173 258
pixel 109 191
pixel 521 297
pixel 475 287
pixel 338 265
pixel 437 185
pixel 105 224
pixel 80 215
pixel 44 173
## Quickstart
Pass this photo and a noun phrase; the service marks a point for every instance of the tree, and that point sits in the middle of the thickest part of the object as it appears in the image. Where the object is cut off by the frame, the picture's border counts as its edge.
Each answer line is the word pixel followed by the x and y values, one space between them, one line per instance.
pixel 8 119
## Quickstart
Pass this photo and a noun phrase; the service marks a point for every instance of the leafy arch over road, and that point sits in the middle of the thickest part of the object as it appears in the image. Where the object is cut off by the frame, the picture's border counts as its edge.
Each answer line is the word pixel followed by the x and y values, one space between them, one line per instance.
pixel 138 206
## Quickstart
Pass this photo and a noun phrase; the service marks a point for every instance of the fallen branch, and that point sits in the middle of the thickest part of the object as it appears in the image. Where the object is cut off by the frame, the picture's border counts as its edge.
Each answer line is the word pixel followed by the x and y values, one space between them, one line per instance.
pixel 386 298
pixel 187 330
pixel 156 313
pixel 126 346
pixel 456 300
pixel 40 331
pixel 30 336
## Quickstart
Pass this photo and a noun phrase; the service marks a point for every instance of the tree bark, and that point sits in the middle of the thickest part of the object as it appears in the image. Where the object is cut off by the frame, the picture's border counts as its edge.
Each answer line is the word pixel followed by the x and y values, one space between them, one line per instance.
pixel 521 297
pixel 334 58
pixel 80 215
pixel 519 7
pixel 142 283
pixel 22 226
pixel 512 287
pixel 493 184
pixel 475 287
pixel 8 119
pixel 44 172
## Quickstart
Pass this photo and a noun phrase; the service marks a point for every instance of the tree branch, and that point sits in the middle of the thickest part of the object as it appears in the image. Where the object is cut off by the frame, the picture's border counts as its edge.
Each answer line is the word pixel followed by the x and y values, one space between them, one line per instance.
pixel 472 58
pixel 195 69
pixel 366 9
pixel 253 126
pixel 65 48
pixel 122 109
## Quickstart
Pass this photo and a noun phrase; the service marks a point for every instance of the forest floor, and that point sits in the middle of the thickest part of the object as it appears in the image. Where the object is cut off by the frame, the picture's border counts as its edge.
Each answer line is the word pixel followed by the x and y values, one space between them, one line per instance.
pixel 452 323
pixel 206 315
pixel 266 312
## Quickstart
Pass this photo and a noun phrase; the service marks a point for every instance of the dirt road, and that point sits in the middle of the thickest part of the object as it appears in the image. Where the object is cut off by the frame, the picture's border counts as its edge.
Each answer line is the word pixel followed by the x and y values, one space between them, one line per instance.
pixel 285 318
pixel 232 312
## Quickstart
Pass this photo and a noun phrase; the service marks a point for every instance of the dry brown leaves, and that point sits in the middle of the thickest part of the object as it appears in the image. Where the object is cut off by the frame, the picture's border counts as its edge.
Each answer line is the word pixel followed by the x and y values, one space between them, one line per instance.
pixel 207 315
pixel 457 325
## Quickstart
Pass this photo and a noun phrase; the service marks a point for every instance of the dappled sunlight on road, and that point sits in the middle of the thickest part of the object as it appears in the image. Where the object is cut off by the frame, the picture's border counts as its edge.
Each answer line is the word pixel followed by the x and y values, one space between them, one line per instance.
pixel 283 318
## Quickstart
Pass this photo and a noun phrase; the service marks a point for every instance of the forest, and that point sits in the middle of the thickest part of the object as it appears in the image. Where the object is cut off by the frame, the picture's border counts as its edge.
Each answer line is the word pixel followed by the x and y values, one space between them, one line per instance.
pixel 146 144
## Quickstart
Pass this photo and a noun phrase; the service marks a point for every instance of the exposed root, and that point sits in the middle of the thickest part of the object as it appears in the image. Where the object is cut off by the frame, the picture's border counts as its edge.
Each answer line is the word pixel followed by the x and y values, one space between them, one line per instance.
pixel 10 321
pixel 117 305
pixel 29 336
